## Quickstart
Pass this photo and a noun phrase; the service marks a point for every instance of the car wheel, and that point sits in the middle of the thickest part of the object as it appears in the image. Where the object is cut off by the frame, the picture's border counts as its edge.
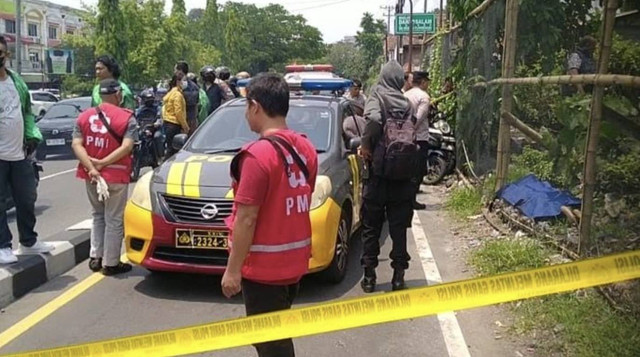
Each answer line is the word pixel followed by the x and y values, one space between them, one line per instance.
pixel 337 270
pixel 135 168
pixel 41 154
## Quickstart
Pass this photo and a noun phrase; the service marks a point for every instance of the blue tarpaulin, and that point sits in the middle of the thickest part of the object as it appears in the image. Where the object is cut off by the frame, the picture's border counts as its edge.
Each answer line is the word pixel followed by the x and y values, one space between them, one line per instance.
pixel 537 199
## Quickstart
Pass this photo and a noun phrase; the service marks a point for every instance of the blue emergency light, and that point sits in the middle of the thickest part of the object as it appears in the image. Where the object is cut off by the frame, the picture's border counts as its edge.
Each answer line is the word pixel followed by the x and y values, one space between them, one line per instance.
pixel 321 84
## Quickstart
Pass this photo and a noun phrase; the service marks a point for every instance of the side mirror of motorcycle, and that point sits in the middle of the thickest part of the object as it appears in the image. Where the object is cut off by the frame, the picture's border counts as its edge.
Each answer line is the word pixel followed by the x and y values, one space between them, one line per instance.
pixel 354 144
pixel 179 141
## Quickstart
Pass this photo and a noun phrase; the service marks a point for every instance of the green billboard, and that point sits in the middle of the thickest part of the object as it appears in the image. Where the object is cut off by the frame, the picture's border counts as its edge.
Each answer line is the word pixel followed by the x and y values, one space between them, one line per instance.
pixel 422 23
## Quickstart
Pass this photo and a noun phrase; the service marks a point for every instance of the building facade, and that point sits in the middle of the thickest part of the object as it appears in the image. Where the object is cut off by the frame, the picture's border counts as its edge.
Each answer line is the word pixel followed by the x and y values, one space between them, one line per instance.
pixel 43 26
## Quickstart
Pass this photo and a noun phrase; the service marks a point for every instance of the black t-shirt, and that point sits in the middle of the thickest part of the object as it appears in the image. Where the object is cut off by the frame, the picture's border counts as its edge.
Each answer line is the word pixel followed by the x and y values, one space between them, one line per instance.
pixel 216 97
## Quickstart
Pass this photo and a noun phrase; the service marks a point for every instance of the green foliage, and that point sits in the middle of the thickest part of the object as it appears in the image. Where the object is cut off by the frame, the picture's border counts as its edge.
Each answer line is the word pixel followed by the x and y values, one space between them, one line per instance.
pixel 535 162
pixel 347 60
pixel 435 67
pixel 622 174
pixel 75 85
pixel 370 39
pixel 465 202
pixel 508 255
pixel 110 32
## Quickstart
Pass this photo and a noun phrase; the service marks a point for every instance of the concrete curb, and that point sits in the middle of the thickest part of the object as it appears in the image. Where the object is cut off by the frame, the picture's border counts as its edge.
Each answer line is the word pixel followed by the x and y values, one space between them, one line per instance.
pixel 31 271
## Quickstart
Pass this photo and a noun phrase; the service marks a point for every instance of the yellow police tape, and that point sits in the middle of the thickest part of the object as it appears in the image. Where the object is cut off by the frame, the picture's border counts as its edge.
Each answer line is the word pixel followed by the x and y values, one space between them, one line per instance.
pixel 364 311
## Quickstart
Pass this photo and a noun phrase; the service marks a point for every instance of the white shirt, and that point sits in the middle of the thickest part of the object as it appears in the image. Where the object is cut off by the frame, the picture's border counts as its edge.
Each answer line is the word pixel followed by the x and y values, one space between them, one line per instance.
pixel 11 122
pixel 420 101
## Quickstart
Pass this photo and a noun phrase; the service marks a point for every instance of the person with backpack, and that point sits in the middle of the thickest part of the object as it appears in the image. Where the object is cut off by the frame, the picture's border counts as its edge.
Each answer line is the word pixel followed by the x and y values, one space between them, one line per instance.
pixel 390 151
pixel 191 93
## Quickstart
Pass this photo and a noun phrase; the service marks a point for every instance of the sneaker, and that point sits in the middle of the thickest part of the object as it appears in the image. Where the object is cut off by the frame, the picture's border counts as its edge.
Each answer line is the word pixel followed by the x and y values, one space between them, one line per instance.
pixel 419 206
pixel 39 247
pixel 7 256
pixel 121 268
pixel 95 264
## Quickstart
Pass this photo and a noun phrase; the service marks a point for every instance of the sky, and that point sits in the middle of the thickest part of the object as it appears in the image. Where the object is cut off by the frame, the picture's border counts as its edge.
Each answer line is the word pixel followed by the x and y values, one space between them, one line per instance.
pixel 334 18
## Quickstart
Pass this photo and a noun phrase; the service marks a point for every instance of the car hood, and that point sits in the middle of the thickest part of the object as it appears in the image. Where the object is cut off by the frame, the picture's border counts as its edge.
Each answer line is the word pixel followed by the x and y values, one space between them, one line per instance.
pixel 58 123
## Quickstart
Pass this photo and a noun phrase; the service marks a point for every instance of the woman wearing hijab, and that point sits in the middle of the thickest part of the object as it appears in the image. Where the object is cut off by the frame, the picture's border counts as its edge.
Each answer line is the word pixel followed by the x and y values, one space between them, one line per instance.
pixel 382 195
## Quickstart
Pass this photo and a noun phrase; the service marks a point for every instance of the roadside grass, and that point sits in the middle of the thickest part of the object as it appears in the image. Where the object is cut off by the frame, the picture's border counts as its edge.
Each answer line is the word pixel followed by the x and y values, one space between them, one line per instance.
pixel 572 324
pixel 464 202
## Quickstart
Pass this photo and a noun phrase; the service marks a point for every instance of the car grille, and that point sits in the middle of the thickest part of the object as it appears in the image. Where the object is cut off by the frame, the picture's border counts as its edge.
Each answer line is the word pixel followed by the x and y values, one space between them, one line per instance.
pixel 192 256
pixel 188 209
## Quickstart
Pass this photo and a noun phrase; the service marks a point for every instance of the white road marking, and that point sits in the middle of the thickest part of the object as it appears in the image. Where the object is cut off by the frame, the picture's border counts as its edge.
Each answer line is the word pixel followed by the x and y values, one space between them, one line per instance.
pixel 57 174
pixel 453 338
pixel 81 226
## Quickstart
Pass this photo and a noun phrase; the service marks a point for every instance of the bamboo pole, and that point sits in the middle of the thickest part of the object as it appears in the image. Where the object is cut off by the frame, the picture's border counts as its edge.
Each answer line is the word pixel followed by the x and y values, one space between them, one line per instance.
pixel 508 70
pixel 477 11
pixel 593 133
pixel 524 128
pixel 596 79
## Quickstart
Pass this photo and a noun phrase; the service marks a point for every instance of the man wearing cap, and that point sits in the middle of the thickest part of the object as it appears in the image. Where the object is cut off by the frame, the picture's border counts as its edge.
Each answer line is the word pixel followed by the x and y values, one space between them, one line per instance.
pixel 355 93
pixel 102 141
pixel 420 101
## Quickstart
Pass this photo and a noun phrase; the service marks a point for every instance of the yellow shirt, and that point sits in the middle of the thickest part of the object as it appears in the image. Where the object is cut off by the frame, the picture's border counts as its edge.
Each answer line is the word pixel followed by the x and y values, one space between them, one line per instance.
pixel 174 109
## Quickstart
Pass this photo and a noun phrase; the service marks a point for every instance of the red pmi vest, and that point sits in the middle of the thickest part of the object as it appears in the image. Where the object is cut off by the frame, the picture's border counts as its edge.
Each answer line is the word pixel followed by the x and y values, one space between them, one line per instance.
pixel 99 143
pixel 282 241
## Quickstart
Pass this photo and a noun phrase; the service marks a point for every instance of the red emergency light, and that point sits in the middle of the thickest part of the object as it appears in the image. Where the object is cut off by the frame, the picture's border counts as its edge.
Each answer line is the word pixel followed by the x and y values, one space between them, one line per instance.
pixel 309 68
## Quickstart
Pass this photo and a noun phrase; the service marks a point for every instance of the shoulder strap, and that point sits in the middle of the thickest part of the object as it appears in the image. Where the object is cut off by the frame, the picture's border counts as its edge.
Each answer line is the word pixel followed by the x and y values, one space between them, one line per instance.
pixel 275 140
pixel 106 125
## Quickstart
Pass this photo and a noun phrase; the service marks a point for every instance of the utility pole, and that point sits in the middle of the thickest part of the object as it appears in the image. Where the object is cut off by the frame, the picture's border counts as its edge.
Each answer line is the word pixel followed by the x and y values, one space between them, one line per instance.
pixel 410 35
pixel 400 56
pixel 441 13
pixel 19 36
pixel 386 39
pixel 425 6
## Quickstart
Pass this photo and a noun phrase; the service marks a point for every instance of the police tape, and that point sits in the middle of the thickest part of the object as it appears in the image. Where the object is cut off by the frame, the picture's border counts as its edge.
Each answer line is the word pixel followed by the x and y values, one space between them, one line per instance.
pixel 364 311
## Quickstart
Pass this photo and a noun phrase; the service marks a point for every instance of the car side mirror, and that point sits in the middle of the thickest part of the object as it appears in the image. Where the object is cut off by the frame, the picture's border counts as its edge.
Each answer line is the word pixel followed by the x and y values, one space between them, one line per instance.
pixel 179 141
pixel 354 144
pixel 38 118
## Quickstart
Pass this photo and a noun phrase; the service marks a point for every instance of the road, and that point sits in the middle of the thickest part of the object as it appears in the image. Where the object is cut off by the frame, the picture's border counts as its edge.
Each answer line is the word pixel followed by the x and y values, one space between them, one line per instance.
pixel 91 307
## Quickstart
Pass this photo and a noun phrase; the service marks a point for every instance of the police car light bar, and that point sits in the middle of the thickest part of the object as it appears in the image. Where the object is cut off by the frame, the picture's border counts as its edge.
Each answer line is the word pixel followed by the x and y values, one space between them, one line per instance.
pixel 309 68
pixel 322 84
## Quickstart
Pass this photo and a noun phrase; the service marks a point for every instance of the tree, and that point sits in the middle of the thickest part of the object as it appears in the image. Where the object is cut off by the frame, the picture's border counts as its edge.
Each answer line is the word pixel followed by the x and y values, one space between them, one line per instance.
pixel 370 39
pixel 210 27
pixel 236 43
pixel 110 36
pixel 347 60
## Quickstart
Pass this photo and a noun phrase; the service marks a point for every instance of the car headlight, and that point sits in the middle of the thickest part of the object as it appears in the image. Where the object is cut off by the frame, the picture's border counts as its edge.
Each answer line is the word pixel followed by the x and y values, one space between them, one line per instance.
pixel 321 192
pixel 443 126
pixel 141 195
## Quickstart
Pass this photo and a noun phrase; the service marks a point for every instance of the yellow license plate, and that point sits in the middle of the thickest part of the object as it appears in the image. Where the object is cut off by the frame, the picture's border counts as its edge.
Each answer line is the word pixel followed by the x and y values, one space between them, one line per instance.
pixel 202 239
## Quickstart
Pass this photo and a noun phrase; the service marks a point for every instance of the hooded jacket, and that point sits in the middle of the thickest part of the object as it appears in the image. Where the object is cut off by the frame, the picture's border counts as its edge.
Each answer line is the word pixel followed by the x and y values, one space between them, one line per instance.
pixel 389 87
pixel 31 131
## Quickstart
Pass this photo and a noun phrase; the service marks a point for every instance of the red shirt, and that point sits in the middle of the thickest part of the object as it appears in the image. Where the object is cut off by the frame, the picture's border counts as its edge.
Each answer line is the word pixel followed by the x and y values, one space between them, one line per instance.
pixel 264 183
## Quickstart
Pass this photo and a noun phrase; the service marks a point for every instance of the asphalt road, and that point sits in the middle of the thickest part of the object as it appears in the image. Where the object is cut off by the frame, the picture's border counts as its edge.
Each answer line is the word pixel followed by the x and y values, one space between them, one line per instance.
pixel 141 302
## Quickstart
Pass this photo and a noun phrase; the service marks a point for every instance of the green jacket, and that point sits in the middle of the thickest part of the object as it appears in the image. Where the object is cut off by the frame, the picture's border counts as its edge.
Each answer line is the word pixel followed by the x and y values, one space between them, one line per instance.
pixel 203 107
pixel 31 131
pixel 128 101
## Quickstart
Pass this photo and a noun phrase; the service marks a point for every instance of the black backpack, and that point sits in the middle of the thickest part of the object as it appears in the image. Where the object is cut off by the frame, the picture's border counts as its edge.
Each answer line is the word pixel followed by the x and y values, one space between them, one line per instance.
pixel 396 156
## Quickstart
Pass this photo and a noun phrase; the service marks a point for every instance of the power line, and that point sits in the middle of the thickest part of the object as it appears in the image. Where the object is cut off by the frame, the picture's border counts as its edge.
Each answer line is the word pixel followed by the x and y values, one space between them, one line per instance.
pixel 320 6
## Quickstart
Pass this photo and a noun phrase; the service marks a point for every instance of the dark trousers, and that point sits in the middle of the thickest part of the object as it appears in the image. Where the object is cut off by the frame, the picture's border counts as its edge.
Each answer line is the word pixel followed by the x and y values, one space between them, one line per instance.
pixel 171 130
pixel 421 168
pixel 261 298
pixel 21 177
pixel 395 199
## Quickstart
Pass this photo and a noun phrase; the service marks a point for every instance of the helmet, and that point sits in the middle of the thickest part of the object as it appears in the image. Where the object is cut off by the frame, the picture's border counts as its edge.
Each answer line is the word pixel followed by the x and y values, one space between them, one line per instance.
pixel 223 73
pixel 208 72
pixel 147 97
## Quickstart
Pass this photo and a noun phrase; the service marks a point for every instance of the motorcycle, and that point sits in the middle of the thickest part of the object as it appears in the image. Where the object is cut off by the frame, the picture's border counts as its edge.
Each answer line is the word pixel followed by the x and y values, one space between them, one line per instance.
pixel 442 149
pixel 145 151
pixel 37 169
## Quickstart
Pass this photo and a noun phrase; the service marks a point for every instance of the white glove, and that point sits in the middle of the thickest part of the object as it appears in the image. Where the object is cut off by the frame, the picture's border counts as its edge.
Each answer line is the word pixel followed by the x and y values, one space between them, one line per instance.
pixel 103 189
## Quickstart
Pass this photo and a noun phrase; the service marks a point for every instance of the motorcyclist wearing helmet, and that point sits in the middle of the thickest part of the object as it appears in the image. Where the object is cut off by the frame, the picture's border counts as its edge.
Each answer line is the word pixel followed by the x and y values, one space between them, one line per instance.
pixel 149 113
pixel 224 74
pixel 212 89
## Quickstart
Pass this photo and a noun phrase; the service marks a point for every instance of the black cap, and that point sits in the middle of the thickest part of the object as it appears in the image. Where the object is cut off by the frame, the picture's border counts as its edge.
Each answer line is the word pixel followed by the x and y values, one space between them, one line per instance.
pixel 109 86
pixel 420 75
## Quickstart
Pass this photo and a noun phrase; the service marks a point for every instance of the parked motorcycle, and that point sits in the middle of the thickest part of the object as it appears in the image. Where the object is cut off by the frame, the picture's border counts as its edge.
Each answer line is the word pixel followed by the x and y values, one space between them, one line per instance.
pixel 442 150
pixel 37 169
pixel 146 150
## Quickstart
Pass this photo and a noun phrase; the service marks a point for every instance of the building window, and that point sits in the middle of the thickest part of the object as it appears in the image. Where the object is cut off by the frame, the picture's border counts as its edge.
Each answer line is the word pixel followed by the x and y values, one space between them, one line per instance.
pixel 70 32
pixel 33 30
pixel 34 57
pixel 9 26
pixel 53 33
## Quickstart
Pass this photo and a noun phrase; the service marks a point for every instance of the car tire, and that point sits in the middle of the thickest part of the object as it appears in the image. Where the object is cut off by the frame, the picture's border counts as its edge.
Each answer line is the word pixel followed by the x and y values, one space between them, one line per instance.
pixel 337 270
pixel 135 168
pixel 41 154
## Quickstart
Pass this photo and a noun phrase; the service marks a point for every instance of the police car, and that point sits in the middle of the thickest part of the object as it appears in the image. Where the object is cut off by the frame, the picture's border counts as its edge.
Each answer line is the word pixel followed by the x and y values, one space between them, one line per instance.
pixel 174 221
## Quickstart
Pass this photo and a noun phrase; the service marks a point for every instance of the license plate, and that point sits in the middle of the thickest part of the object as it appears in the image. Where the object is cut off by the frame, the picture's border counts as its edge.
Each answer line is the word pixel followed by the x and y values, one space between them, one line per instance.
pixel 202 239
pixel 55 142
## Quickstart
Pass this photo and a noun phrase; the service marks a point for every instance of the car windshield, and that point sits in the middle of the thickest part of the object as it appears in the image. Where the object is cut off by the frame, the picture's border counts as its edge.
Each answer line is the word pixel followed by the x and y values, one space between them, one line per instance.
pixel 66 110
pixel 228 130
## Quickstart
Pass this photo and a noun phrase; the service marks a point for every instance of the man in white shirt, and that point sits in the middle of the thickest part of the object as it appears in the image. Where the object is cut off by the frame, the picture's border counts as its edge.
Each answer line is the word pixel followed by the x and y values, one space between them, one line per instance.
pixel 421 102
pixel 355 93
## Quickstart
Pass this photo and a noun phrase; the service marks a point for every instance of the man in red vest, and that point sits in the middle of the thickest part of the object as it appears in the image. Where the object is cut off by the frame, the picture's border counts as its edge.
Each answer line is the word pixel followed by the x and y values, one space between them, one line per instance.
pixel 274 177
pixel 102 140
